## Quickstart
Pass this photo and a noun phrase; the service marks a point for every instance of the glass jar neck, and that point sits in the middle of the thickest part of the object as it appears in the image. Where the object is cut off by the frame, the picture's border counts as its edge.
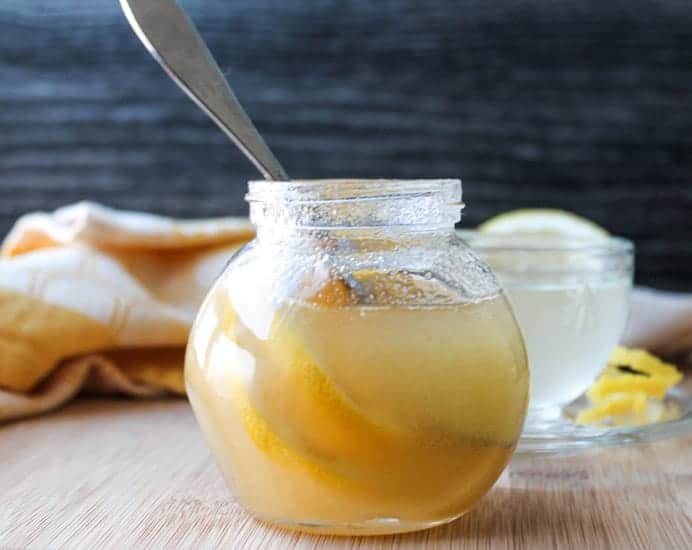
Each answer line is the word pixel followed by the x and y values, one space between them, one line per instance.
pixel 365 209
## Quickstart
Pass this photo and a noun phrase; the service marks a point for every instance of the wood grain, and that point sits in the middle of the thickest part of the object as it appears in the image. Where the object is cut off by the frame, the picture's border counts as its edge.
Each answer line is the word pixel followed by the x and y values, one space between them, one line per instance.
pixel 583 105
pixel 124 474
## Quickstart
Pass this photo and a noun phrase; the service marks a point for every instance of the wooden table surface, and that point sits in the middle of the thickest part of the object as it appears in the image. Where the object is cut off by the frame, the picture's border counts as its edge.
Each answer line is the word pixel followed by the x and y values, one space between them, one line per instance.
pixel 124 474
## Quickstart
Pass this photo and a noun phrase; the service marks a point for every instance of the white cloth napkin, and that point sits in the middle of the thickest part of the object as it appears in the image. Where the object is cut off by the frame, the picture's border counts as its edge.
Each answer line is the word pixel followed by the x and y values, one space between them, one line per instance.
pixel 661 322
pixel 96 299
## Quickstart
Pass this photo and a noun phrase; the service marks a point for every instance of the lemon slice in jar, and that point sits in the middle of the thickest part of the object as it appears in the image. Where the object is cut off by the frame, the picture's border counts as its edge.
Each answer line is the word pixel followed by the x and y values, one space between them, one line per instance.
pixel 291 393
pixel 321 419
pixel 547 223
pixel 270 443
pixel 292 399
pixel 405 371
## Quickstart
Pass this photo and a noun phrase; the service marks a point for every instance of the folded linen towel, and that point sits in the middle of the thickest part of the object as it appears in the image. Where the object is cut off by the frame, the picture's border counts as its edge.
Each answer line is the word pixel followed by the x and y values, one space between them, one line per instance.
pixel 99 300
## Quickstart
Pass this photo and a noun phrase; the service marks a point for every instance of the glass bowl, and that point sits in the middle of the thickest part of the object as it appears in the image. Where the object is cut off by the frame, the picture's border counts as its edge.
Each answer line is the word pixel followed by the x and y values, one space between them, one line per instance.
pixel 571 298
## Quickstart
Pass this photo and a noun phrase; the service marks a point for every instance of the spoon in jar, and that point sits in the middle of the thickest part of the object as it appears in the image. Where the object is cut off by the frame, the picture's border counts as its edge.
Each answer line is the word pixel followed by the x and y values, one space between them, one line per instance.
pixel 172 39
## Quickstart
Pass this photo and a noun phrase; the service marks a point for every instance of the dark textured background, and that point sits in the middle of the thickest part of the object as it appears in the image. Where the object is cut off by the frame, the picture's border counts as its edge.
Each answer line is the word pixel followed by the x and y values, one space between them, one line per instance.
pixel 584 105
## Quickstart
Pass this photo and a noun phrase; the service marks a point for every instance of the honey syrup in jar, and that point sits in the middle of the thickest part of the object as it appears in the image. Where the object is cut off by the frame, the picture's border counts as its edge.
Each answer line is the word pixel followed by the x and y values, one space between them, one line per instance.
pixel 357 369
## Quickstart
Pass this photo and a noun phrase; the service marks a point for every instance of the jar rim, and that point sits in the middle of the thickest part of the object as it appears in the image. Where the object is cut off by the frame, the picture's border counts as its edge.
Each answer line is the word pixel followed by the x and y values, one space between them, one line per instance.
pixel 340 189
pixel 356 204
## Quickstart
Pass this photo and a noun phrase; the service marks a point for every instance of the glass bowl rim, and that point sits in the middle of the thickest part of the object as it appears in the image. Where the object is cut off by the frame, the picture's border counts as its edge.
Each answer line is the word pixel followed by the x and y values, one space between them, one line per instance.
pixel 610 245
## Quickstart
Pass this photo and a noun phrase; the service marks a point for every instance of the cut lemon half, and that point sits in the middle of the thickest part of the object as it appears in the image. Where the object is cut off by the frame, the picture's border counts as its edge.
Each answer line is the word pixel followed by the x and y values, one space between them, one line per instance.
pixel 543 222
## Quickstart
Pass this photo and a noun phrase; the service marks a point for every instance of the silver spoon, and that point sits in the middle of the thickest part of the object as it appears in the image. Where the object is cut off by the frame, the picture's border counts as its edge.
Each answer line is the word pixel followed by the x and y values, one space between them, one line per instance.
pixel 172 39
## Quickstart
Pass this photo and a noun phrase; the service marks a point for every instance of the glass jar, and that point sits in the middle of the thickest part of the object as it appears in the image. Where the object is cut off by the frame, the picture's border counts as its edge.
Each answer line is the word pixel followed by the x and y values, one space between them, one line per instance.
pixel 357 369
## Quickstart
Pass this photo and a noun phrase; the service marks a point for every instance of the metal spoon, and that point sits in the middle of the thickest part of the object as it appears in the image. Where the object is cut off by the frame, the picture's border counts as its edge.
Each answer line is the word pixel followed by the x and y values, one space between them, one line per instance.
pixel 172 39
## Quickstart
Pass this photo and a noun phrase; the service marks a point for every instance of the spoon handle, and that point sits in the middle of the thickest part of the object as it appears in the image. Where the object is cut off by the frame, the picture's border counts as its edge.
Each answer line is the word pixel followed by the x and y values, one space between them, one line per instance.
pixel 172 39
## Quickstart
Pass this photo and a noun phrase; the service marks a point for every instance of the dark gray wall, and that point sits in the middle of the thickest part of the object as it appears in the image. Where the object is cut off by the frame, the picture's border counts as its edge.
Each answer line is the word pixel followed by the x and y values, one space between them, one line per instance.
pixel 584 105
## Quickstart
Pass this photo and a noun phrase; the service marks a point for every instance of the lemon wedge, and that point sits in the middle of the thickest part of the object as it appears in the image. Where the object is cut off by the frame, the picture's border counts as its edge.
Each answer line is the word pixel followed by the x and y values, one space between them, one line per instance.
pixel 543 222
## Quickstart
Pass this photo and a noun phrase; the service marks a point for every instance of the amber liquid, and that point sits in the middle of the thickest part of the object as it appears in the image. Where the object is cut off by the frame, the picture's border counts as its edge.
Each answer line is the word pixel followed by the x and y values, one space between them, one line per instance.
pixel 359 419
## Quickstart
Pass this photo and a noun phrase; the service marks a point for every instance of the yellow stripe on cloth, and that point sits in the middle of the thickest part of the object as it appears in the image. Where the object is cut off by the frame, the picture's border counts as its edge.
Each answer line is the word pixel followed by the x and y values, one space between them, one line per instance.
pixel 99 300
pixel 35 335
